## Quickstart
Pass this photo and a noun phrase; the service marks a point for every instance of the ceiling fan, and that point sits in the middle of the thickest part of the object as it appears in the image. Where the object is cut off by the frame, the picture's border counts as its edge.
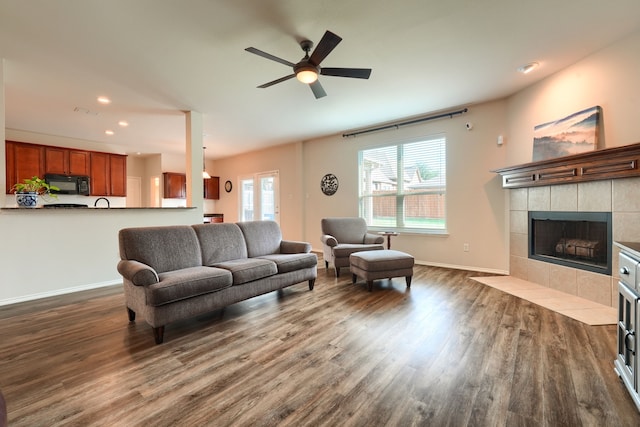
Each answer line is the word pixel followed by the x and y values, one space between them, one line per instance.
pixel 308 68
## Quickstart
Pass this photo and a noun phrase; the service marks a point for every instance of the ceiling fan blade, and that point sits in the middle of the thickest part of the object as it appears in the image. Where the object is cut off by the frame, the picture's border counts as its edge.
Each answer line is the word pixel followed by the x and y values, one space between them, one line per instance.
pixel 328 42
pixel 355 73
pixel 317 89
pixel 269 56
pixel 280 80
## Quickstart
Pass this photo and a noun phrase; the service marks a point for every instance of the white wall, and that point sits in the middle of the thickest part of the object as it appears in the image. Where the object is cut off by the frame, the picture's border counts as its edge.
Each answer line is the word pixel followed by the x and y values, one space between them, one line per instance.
pixel 287 159
pixel 609 78
pixel 475 200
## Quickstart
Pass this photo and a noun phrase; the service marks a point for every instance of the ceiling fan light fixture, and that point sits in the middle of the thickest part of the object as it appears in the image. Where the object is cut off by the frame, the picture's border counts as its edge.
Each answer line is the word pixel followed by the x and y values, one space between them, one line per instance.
pixel 307 75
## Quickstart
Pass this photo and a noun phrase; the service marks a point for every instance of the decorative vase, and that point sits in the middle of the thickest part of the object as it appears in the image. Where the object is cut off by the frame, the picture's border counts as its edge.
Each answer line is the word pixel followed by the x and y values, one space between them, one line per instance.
pixel 27 200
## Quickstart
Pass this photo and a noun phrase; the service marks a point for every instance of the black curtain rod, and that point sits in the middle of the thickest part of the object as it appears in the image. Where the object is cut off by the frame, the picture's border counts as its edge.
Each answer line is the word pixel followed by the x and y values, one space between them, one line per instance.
pixel 410 122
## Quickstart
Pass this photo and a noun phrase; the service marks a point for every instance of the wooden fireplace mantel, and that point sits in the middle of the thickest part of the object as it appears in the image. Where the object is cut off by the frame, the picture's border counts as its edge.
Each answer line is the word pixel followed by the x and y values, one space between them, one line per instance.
pixel 609 163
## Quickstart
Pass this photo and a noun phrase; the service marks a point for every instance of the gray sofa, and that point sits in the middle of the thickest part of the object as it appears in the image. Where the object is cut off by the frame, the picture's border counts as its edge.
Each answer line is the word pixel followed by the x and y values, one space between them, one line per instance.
pixel 172 273
pixel 343 236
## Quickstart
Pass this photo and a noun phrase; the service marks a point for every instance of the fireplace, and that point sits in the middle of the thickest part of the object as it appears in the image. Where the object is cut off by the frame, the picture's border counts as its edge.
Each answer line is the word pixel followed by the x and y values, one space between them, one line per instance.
pixel 574 239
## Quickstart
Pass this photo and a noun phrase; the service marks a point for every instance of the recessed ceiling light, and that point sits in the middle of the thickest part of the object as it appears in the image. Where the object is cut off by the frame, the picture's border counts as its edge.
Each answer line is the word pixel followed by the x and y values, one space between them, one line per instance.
pixel 527 68
pixel 104 100
pixel 123 123
pixel 109 132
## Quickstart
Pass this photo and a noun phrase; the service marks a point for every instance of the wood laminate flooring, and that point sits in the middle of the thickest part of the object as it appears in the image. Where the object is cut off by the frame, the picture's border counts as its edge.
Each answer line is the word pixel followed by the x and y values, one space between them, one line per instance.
pixel 447 351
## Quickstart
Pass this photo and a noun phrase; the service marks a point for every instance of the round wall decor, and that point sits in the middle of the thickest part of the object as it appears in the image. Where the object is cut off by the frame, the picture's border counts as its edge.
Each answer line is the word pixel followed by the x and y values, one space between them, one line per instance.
pixel 329 184
pixel 228 186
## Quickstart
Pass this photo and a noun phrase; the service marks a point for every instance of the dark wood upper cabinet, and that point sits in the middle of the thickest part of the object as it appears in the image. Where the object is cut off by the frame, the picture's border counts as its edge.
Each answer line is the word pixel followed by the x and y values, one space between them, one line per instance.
pixel 212 188
pixel 175 185
pixel 108 174
pixel 100 174
pixel 22 161
pixel 118 175
pixel 66 161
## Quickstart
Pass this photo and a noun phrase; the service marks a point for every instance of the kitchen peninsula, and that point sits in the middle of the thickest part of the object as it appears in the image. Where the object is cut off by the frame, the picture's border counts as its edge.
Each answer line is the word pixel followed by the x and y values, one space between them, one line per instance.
pixel 48 252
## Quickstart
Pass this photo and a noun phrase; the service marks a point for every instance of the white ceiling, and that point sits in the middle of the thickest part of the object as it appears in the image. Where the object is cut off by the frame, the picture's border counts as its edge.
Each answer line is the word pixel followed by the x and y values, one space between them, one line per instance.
pixel 158 58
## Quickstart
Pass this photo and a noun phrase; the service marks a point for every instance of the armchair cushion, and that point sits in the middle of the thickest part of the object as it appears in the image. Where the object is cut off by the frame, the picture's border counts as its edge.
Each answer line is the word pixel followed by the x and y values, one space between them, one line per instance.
pixel 345 230
pixel 343 236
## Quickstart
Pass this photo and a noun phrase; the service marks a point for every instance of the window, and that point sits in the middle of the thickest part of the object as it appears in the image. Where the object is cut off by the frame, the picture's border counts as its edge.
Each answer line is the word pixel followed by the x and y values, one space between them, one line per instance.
pixel 259 197
pixel 403 186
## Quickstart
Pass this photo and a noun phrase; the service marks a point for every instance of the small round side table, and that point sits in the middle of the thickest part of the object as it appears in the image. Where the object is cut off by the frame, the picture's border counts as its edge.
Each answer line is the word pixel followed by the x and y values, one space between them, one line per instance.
pixel 388 234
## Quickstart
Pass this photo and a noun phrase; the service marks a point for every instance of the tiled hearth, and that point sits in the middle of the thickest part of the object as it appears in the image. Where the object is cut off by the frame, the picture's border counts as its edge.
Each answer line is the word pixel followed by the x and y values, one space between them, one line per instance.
pixel 619 196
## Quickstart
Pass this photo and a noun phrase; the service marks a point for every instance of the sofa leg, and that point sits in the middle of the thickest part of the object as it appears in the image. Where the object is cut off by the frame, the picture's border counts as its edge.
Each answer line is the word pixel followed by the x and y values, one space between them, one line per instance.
pixel 326 265
pixel 337 271
pixel 408 279
pixel 132 315
pixel 370 285
pixel 354 278
pixel 312 283
pixel 158 334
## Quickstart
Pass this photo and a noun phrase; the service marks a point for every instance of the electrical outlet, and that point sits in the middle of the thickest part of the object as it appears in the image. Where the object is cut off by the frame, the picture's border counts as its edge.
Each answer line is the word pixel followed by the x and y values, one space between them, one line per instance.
pixel 465 247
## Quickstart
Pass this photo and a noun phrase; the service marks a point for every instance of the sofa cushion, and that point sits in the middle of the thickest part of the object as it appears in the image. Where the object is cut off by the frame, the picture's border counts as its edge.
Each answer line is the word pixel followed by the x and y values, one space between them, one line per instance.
pixel 164 248
pixel 186 283
pixel 344 250
pixel 220 242
pixel 262 237
pixel 292 262
pixel 249 269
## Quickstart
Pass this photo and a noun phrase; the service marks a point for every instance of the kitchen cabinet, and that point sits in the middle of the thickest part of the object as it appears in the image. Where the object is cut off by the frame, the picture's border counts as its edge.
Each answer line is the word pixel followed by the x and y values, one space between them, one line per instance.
pixel 66 161
pixel 175 185
pixel 627 363
pixel 212 188
pixel 108 174
pixel 22 161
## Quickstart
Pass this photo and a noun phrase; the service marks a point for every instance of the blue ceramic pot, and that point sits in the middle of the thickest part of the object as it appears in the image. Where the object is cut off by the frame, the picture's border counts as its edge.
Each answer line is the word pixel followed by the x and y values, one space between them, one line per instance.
pixel 27 200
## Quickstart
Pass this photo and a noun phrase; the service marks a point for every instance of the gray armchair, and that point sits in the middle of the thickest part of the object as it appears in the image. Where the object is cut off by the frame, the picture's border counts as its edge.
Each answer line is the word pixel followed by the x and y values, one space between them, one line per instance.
pixel 343 236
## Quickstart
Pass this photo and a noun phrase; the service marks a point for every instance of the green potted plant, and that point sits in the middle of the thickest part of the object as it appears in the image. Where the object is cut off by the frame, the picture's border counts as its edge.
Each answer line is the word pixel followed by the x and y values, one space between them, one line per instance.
pixel 29 189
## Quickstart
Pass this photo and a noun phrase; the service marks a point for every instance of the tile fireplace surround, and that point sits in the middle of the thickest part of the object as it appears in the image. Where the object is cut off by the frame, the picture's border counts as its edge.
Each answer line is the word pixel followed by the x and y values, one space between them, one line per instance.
pixel 621 197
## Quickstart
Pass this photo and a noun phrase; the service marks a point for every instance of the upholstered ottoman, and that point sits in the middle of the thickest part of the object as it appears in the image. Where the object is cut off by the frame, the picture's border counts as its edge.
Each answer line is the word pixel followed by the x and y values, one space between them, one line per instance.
pixel 385 264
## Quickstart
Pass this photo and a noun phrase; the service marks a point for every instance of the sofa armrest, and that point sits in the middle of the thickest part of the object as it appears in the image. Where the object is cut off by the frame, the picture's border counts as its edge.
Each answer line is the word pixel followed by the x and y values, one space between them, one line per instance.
pixel 137 273
pixel 293 247
pixel 329 240
pixel 371 238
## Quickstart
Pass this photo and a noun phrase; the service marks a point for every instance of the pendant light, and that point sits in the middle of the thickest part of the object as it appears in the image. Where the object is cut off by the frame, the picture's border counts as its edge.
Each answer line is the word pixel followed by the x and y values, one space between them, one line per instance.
pixel 205 175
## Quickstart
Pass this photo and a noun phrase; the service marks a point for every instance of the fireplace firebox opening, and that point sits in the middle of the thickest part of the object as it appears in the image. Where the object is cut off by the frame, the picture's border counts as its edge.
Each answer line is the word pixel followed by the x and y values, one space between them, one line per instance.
pixel 574 239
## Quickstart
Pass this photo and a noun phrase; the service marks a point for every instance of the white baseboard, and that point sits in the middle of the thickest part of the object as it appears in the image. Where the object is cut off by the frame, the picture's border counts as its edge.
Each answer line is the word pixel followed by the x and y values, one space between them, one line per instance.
pixel 58 292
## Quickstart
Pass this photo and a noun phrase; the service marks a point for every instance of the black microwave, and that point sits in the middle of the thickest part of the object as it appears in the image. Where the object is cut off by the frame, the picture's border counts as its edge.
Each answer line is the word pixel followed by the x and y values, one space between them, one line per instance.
pixel 69 184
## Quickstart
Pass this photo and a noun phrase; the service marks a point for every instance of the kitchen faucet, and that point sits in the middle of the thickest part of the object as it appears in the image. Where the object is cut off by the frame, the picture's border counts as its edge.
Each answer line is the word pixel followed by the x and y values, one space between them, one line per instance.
pixel 102 198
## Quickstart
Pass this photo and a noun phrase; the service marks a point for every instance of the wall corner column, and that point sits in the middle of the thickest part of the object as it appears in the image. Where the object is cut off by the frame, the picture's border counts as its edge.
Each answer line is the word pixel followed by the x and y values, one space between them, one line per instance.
pixel 195 157
pixel 3 157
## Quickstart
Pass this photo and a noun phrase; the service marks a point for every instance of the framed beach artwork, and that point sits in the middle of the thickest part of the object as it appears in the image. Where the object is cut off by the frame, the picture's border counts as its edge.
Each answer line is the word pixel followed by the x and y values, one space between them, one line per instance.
pixel 574 134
